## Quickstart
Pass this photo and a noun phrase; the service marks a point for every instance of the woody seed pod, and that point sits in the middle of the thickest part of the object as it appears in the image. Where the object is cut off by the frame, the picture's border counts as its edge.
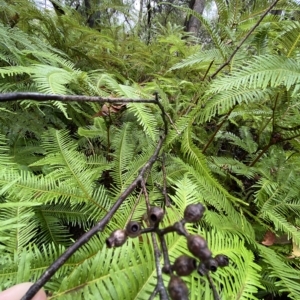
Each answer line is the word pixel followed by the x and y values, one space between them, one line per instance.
pixel 222 260
pixel 155 215
pixel 116 239
pixel 195 243
pixel 184 265
pixel 204 253
pixel 194 212
pixel 178 289
pixel 211 264
pixel 133 229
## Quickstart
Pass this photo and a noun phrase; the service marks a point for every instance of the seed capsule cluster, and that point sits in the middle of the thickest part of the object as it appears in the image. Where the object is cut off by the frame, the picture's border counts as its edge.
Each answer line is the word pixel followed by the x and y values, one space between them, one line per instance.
pixel 203 260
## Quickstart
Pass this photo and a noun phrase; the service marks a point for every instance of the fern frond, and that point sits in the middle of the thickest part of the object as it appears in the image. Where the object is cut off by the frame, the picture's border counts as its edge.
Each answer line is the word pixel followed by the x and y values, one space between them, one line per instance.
pixel 202 57
pixel 245 141
pixel 231 165
pixel 287 277
pixel 146 119
pixel 21 232
pixel 226 100
pixel 289 37
pixel 88 279
pixel 262 72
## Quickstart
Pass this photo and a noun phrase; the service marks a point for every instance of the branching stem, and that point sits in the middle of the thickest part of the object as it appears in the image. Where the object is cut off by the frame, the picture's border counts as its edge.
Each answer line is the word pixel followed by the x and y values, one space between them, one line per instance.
pixel 227 62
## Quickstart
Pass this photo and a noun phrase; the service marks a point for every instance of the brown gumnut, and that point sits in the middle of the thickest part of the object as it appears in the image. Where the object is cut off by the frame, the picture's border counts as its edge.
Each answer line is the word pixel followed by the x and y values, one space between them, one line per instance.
pixel 133 229
pixel 193 212
pixel 195 242
pixel 204 253
pixel 116 239
pixel 177 289
pixel 222 260
pixel 184 265
pixel 155 214
pixel 211 264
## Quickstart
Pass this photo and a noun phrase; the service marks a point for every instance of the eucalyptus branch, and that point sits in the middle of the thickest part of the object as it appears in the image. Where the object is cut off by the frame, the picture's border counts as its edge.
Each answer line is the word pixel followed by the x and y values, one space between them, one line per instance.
pixel 98 227
pixel 244 39
pixel 103 222
pixel 160 287
pixel 6 97
pixel 212 285
pixel 167 264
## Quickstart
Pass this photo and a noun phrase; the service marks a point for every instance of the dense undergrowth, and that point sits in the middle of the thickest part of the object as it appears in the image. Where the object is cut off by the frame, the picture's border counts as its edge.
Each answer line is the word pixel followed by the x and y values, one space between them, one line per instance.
pixel 233 145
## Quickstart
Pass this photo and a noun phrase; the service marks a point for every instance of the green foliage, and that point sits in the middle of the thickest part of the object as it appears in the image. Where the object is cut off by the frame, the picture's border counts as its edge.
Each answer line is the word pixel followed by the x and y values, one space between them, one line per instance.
pixel 233 145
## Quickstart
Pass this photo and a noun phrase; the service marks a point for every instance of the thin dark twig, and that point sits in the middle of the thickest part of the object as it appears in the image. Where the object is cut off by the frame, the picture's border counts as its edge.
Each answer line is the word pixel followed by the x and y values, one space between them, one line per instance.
pixel 244 39
pixel 163 113
pixel 102 223
pixel 71 98
pixel 208 69
pixel 271 143
pixel 160 287
pixel 176 227
pixel 167 264
pixel 212 285
pixel 163 295
pixel 154 293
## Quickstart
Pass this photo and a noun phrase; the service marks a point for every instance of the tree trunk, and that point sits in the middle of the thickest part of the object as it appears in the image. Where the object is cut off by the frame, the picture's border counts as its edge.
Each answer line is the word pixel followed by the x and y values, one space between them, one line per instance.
pixel 193 24
pixel 92 17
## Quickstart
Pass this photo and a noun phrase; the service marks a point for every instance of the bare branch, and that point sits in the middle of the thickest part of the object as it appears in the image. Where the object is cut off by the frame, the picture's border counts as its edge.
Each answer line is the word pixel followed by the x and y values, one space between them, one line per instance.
pixel 160 287
pixel 70 98
pixel 212 285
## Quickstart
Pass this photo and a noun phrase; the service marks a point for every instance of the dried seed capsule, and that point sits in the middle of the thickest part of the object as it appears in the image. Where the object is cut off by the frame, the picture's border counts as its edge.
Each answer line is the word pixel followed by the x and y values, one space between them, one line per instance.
pixel 222 260
pixel 211 264
pixel 184 265
pixel 195 243
pixel 155 215
pixel 178 289
pixel 133 229
pixel 204 253
pixel 194 212
pixel 116 239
